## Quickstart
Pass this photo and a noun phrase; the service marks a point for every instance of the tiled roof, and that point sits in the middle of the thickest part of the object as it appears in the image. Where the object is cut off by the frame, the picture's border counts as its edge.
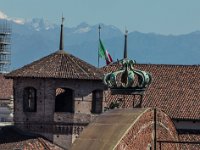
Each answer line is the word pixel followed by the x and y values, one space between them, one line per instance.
pixel 187 140
pixel 6 89
pixel 175 89
pixel 190 137
pixel 11 140
pixel 58 65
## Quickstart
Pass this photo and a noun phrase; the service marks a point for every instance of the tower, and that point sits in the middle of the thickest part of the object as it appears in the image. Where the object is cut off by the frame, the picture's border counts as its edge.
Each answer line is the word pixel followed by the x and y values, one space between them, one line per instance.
pixel 58 96
pixel 5 46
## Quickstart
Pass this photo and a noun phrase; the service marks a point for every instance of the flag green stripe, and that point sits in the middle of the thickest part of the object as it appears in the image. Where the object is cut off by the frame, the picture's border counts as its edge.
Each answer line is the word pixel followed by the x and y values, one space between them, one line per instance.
pixel 102 51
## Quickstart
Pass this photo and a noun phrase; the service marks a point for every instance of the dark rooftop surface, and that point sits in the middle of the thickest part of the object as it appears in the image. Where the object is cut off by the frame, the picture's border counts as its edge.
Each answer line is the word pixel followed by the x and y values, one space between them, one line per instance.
pixel 10 139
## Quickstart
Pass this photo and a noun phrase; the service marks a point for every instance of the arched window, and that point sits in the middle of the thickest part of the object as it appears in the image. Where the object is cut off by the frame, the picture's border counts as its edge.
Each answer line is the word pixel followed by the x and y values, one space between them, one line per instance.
pixel 97 101
pixel 29 99
pixel 64 100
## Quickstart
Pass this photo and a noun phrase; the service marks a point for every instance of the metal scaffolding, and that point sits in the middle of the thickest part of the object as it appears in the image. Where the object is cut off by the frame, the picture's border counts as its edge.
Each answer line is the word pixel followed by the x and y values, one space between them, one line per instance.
pixel 5 46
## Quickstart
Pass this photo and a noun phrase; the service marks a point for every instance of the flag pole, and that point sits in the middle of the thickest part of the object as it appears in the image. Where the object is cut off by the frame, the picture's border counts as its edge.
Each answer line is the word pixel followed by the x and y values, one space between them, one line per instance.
pixel 98 45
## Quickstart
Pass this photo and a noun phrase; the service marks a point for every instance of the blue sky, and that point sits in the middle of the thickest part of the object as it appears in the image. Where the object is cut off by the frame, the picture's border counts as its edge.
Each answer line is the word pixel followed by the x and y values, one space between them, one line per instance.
pixel 159 16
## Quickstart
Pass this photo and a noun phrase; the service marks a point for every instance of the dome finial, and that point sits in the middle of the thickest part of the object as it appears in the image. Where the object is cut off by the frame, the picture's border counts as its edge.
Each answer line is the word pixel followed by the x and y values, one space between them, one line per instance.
pixel 61 35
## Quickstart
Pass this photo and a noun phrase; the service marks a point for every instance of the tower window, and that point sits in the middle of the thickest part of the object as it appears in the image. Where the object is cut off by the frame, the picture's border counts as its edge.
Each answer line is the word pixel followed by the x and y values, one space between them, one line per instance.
pixel 29 99
pixel 64 101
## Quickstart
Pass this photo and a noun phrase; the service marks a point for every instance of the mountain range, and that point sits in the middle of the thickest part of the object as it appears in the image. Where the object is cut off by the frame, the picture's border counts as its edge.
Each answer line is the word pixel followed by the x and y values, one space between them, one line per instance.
pixel 36 38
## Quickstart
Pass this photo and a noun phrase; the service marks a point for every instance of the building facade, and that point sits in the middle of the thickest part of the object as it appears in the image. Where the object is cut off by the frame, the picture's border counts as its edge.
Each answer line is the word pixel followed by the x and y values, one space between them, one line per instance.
pixel 6 101
pixel 57 96
pixel 55 103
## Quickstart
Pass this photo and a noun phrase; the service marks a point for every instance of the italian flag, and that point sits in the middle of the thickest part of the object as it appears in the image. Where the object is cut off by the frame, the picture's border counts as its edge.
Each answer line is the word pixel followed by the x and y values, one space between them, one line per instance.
pixel 103 53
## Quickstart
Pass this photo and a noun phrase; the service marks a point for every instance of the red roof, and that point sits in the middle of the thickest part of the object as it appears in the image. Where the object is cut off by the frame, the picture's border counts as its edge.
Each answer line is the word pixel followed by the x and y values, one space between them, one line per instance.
pixel 190 137
pixel 187 141
pixel 58 65
pixel 174 89
pixel 12 139
pixel 6 89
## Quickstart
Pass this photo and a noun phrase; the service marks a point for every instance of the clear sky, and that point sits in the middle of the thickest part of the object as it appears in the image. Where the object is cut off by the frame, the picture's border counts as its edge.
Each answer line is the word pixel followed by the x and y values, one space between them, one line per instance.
pixel 159 16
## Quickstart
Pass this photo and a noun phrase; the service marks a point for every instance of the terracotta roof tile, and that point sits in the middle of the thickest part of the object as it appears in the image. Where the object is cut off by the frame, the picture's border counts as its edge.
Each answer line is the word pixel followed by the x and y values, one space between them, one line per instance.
pixel 6 89
pixel 58 65
pixel 174 89
pixel 189 136
pixel 189 140
pixel 10 139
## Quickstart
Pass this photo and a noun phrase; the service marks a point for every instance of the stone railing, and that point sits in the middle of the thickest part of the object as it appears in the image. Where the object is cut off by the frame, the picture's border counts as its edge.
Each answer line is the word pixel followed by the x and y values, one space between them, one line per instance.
pixel 55 128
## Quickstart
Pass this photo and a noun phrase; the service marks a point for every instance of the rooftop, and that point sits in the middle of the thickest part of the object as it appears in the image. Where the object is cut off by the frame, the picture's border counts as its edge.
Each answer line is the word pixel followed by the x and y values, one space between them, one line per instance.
pixel 58 65
pixel 191 136
pixel 12 139
pixel 107 129
pixel 174 89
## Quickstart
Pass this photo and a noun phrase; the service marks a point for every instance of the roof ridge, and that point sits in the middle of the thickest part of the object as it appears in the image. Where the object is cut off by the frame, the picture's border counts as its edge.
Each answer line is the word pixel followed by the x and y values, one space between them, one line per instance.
pixel 169 65
pixel 149 64
pixel 79 66
pixel 58 65
pixel 62 57
pixel 43 143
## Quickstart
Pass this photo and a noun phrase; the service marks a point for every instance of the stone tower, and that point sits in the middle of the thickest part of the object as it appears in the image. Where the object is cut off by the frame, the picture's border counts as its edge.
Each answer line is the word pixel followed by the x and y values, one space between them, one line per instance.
pixel 57 96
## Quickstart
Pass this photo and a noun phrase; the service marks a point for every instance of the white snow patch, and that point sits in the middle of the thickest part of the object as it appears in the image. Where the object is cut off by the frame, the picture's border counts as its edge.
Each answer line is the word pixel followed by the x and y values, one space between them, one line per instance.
pixel 83 30
pixel 19 21
pixel 3 16
pixel 16 20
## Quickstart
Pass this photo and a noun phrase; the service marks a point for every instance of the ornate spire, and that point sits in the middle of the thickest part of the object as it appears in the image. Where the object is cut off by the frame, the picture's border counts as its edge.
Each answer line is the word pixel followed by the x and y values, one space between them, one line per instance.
pixel 61 36
pixel 125 44
pixel 127 80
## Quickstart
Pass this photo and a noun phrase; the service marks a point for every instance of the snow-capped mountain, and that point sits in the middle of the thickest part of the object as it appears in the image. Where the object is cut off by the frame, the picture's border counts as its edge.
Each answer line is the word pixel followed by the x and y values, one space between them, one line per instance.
pixel 40 24
pixel 35 38
pixel 82 28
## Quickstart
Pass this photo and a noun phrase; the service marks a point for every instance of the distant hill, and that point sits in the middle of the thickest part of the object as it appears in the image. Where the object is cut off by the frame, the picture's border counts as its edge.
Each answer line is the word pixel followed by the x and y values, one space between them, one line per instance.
pixel 36 38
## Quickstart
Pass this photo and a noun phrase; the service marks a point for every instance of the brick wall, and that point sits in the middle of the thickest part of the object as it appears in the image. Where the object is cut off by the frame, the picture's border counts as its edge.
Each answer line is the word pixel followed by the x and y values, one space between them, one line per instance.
pixel 140 136
pixel 6 90
pixel 125 101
